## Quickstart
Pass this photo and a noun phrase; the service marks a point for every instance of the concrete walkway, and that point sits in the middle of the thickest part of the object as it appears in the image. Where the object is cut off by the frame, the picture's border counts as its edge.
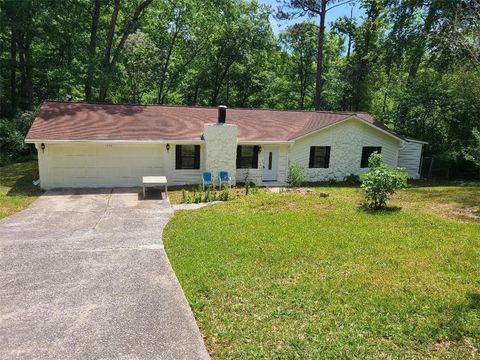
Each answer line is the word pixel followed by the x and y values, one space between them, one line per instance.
pixel 85 276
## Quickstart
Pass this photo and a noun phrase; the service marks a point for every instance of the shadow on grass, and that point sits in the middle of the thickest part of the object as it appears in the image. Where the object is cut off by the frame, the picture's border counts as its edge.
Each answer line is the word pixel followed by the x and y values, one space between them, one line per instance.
pixel 332 184
pixel 420 183
pixel 24 187
pixel 467 196
pixel 385 211
pixel 457 325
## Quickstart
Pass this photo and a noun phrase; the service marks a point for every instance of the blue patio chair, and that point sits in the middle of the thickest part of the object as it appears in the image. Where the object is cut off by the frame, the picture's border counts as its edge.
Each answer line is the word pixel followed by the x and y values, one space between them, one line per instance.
pixel 224 177
pixel 207 179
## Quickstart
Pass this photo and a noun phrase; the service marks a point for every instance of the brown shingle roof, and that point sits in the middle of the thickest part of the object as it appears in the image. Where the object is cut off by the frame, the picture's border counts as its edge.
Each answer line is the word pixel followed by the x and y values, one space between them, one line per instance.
pixel 84 121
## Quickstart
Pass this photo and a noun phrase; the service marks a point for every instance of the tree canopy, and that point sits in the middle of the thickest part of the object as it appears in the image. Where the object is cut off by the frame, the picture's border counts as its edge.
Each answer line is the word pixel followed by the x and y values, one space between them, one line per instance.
pixel 413 64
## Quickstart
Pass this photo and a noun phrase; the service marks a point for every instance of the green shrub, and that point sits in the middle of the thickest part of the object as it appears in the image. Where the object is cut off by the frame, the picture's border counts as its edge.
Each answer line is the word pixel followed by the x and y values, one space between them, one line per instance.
pixel 381 182
pixel 12 134
pixel 226 194
pixel 209 195
pixel 472 153
pixel 295 175
pixel 352 179
pixel 249 185
pixel 186 199
pixel 198 195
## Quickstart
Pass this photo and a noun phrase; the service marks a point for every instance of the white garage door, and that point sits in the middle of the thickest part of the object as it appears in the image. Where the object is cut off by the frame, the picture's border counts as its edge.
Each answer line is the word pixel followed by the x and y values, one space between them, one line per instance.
pixel 98 165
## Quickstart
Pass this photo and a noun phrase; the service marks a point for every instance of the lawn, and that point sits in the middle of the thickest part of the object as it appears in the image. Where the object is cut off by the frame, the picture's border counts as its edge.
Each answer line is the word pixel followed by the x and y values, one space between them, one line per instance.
pixel 16 189
pixel 300 276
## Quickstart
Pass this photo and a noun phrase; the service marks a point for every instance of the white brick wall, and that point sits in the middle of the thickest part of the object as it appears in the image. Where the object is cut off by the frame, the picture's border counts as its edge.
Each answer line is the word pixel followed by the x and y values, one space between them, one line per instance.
pixel 220 148
pixel 346 140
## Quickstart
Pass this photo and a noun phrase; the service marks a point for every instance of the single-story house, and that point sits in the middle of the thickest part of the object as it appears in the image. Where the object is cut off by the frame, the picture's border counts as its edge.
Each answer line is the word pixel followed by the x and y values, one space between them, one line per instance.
pixel 105 145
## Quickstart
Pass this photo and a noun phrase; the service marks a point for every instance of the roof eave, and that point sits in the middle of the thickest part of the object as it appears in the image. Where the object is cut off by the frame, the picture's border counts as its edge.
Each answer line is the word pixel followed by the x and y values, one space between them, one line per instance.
pixel 416 141
pixel 115 141
pixel 398 137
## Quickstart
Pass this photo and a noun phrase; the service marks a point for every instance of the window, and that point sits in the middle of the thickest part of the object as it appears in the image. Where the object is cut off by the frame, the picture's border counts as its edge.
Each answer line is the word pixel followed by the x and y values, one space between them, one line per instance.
pixel 247 157
pixel 366 152
pixel 319 157
pixel 187 157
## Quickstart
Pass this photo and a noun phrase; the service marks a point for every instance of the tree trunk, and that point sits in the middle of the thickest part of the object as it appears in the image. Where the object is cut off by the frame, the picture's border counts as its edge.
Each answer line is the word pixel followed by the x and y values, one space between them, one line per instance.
pixel 219 84
pixel 28 70
pixel 321 40
pixel 108 50
pixel 109 64
pixel 415 60
pixel 419 50
pixel 161 95
pixel 349 50
pixel 13 70
pixel 92 48
pixel 24 42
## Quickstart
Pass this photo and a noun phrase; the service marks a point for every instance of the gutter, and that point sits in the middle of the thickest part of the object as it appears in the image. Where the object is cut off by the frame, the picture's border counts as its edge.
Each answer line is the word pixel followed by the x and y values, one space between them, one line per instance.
pixel 86 141
pixel 63 141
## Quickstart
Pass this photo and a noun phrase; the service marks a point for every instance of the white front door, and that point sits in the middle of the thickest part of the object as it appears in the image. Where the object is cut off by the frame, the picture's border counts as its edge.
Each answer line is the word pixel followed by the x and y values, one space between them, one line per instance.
pixel 270 163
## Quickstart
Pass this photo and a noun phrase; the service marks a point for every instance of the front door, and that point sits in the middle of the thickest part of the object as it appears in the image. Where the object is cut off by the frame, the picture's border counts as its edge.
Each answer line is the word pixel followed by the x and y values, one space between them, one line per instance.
pixel 270 163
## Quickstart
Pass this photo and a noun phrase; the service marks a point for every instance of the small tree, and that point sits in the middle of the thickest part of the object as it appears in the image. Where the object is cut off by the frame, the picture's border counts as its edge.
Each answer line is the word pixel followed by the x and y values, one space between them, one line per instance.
pixel 295 175
pixel 472 153
pixel 381 182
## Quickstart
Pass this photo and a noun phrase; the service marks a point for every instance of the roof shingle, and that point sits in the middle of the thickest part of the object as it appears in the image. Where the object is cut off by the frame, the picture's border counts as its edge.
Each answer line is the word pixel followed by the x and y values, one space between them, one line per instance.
pixel 85 121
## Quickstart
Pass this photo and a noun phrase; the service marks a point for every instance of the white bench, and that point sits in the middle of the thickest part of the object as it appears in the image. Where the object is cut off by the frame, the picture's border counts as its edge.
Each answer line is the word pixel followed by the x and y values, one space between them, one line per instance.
pixel 154 181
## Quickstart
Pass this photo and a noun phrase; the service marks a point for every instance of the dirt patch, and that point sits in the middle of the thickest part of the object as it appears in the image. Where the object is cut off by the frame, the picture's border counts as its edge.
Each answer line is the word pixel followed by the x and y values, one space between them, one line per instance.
pixel 462 212
pixel 302 191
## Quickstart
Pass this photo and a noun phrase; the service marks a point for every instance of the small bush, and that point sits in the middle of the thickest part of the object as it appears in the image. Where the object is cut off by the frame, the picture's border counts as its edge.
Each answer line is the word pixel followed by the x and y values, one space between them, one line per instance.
pixel 352 179
pixel 249 185
pixel 226 194
pixel 12 134
pixel 381 182
pixel 295 175
pixel 209 195
pixel 186 199
pixel 198 195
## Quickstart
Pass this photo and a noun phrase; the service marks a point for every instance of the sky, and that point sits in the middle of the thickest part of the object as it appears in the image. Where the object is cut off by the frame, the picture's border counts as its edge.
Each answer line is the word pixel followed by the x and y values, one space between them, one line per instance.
pixel 332 15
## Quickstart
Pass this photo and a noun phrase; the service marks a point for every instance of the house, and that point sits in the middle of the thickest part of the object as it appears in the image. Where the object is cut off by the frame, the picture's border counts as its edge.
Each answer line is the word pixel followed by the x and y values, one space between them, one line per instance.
pixel 104 145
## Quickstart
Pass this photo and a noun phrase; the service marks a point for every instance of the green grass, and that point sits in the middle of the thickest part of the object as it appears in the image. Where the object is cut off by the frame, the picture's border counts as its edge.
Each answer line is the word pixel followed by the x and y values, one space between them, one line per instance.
pixel 16 189
pixel 300 276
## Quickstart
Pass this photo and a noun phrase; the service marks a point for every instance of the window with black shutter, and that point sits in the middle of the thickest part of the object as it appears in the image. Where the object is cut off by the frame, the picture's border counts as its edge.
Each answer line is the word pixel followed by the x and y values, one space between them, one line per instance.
pixel 247 157
pixel 187 157
pixel 366 152
pixel 319 157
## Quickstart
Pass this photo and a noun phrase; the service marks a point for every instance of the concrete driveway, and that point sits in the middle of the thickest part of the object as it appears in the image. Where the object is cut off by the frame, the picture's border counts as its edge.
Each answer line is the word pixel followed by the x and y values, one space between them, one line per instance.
pixel 85 276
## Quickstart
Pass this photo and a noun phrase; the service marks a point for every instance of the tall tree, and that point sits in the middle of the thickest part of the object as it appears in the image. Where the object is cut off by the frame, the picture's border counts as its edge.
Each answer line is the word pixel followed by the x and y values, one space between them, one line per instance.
pixel 295 8
pixel 92 49
pixel 346 26
pixel 112 53
pixel 367 47
pixel 300 39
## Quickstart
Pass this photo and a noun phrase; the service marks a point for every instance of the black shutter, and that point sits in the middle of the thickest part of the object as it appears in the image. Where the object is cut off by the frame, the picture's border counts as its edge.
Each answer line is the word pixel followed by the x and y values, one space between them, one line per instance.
pixel 255 157
pixel 312 156
pixel 178 156
pixel 239 156
pixel 196 162
pixel 327 157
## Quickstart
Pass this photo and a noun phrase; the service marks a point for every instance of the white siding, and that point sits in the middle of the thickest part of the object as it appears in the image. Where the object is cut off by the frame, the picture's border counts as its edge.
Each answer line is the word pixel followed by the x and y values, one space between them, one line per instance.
pixel 105 165
pixel 346 140
pixel 409 157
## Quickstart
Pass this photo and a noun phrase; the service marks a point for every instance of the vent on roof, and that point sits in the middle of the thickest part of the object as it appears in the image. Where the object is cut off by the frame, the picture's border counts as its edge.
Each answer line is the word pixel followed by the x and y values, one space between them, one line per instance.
pixel 222 114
